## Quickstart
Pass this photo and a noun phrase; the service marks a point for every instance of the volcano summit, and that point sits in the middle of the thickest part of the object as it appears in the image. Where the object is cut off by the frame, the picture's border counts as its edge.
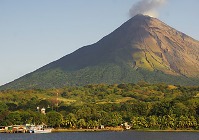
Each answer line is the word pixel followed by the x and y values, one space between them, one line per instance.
pixel 142 49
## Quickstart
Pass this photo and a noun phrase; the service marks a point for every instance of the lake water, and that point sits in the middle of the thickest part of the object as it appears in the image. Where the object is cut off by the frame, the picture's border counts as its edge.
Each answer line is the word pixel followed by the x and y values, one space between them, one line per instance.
pixel 126 135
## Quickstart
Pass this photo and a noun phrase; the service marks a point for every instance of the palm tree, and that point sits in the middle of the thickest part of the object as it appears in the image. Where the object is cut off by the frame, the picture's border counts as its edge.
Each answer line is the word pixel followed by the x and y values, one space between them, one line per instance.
pixel 81 123
pixel 71 120
pixel 153 121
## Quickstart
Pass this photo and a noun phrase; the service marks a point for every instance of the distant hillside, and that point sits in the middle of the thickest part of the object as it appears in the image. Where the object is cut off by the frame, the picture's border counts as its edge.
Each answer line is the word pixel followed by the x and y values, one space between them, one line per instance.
pixel 142 49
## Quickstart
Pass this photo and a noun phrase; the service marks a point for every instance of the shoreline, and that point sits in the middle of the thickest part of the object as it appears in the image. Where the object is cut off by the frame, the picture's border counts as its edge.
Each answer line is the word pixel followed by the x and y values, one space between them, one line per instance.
pixel 118 130
pixel 87 130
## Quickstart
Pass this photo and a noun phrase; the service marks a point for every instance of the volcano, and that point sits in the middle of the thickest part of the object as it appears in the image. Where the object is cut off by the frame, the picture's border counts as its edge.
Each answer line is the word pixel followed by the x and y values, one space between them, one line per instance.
pixel 142 49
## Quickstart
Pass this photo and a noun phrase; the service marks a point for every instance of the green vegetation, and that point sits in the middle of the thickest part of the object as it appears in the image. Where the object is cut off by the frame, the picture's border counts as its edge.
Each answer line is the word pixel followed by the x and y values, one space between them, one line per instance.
pixel 143 105
pixel 109 73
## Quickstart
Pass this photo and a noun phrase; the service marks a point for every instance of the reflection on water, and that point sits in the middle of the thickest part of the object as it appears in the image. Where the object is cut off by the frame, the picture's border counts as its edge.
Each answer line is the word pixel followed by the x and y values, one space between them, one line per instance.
pixel 126 135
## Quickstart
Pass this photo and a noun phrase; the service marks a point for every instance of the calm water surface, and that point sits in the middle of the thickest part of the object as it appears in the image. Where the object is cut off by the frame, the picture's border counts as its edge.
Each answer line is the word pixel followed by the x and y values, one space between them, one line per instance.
pixel 126 135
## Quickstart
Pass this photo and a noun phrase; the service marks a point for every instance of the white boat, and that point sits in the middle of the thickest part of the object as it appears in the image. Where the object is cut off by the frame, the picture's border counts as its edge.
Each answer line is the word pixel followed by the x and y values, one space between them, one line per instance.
pixel 46 130
pixel 40 129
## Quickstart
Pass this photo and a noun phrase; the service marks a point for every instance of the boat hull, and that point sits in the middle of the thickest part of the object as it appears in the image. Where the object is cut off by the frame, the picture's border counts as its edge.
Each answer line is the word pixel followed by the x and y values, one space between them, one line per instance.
pixel 41 131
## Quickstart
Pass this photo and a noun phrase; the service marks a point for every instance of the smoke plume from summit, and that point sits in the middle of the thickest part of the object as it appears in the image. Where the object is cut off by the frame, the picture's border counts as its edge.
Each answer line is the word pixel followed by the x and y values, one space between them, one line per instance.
pixel 146 7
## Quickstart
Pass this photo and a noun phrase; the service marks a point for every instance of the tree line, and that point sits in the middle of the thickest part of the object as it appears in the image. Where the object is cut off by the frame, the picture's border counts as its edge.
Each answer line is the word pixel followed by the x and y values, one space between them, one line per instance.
pixel 142 105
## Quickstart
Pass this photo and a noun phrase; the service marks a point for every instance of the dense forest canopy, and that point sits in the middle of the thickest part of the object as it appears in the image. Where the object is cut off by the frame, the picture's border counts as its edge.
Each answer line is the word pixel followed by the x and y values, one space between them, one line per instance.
pixel 142 105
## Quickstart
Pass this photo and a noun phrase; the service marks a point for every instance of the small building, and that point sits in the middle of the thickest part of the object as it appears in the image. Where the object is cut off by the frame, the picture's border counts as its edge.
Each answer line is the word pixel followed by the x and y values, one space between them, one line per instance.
pixel 102 127
pixel 2 129
pixel 43 111
pixel 126 126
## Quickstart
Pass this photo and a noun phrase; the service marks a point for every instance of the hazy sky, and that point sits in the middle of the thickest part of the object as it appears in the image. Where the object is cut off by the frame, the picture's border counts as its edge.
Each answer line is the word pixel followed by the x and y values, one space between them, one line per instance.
pixel 34 33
